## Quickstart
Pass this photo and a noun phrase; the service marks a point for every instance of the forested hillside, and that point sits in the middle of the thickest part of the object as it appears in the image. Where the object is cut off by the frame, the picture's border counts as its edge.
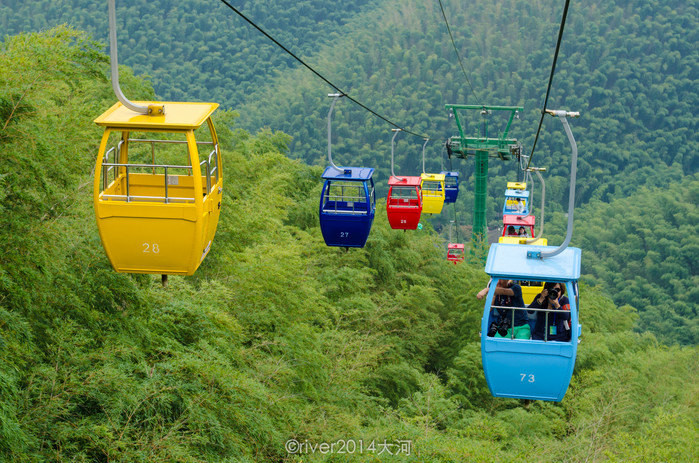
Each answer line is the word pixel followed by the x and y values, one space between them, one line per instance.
pixel 629 67
pixel 277 336
pixel 644 249
pixel 195 49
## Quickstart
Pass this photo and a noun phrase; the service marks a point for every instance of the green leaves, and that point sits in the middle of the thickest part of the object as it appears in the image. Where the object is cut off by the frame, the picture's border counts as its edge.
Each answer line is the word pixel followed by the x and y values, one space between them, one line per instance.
pixel 643 250
pixel 278 336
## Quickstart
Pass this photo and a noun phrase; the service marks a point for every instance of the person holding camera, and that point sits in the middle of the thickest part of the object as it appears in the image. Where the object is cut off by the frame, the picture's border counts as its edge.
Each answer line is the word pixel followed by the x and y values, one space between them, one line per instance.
pixel 558 327
pixel 507 294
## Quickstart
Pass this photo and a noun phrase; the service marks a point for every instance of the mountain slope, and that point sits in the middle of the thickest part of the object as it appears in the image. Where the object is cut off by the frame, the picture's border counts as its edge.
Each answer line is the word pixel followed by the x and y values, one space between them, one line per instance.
pixel 614 68
pixel 644 250
pixel 197 49
pixel 629 68
pixel 277 336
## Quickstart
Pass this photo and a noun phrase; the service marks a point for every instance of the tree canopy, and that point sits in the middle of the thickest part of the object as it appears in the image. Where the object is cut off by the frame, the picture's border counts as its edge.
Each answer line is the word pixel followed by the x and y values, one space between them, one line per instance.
pixel 277 336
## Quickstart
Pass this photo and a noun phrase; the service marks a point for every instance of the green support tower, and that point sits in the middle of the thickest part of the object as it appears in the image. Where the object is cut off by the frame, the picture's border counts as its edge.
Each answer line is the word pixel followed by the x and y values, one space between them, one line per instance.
pixel 482 148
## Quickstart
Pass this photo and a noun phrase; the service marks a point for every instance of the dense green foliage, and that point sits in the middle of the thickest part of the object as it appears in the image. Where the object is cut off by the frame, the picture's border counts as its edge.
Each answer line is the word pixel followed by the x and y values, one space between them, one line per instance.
pixel 195 49
pixel 629 67
pixel 276 336
pixel 645 248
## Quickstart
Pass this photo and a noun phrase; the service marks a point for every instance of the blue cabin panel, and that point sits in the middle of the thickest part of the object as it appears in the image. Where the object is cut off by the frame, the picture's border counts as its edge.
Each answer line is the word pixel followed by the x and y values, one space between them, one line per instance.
pixel 516 202
pixel 350 232
pixel 511 261
pixel 522 369
pixel 347 206
pixel 451 186
pixel 530 369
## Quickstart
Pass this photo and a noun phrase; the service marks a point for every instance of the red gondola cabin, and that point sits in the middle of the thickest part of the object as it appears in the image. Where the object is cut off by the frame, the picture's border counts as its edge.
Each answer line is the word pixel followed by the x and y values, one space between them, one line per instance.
pixel 404 202
pixel 455 252
pixel 513 223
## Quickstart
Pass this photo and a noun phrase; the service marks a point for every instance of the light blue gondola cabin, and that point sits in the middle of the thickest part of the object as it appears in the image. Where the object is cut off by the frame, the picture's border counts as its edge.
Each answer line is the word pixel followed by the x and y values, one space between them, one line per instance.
pixel 530 369
pixel 516 202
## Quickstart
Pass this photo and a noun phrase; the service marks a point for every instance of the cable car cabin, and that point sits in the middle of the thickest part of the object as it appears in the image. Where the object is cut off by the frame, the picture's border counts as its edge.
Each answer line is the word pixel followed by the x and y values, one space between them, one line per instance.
pixel 522 240
pixel 516 185
pixel 432 186
pixel 538 369
pixel 157 198
pixel 347 206
pixel 512 225
pixel 455 252
pixel 451 186
pixel 404 202
pixel 529 288
pixel 516 202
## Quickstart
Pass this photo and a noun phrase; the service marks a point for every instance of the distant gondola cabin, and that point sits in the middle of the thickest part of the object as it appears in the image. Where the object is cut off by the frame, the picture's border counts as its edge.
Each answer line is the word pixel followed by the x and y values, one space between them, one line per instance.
pixel 512 225
pixel 451 186
pixel 347 206
pixel 455 252
pixel 516 199
pixel 432 186
pixel 404 202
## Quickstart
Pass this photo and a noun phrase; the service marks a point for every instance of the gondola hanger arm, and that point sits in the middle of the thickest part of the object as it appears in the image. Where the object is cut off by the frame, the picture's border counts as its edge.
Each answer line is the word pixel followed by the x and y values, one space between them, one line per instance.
pixel 395 132
pixel 562 116
pixel 152 109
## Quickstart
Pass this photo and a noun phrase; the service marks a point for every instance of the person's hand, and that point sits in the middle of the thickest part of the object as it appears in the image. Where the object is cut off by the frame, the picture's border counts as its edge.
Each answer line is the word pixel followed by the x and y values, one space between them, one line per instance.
pixel 543 295
pixel 481 294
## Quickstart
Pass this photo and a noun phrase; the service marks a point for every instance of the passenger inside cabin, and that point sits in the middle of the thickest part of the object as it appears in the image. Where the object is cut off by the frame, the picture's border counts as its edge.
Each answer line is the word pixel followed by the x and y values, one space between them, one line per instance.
pixel 511 231
pixel 507 294
pixel 522 231
pixel 555 326
pixel 519 205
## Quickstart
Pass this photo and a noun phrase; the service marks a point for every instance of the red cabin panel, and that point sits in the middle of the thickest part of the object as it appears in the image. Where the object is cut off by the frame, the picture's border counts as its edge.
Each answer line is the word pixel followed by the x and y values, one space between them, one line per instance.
pixel 404 202
pixel 455 252
pixel 516 222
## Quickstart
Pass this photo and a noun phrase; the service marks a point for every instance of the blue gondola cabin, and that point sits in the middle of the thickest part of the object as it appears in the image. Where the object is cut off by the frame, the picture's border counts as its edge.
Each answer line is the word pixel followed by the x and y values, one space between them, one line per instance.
pixel 526 368
pixel 451 186
pixel 516 200
pixel 347 206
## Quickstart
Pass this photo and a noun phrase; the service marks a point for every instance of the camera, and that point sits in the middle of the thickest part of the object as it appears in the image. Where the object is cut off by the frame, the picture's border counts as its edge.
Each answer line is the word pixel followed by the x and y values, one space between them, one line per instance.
pixel 553 293
pixel 501 326
pixel 504 326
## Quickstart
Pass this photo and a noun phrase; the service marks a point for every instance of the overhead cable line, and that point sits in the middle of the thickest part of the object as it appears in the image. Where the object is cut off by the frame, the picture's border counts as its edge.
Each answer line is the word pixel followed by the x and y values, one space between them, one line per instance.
pixel 307 66
pixel 456 220
pixel 553 70
pixel 463 69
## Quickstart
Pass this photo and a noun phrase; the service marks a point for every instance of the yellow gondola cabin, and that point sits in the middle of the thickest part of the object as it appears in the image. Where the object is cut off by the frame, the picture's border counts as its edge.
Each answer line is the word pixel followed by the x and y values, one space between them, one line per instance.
pixel 432 187
pixel 157 201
